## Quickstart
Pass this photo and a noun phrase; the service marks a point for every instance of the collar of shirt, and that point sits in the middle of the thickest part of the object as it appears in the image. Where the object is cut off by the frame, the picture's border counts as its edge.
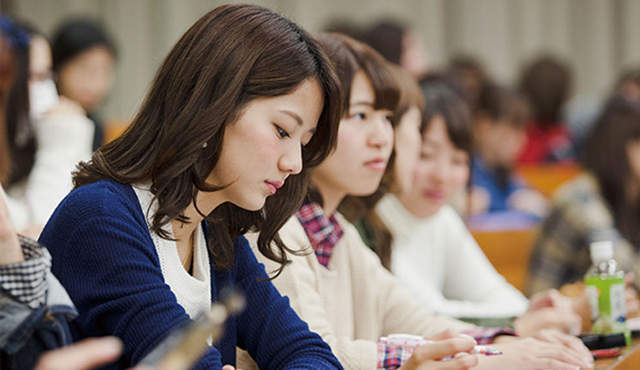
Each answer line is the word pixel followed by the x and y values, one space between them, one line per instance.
pixel 323 232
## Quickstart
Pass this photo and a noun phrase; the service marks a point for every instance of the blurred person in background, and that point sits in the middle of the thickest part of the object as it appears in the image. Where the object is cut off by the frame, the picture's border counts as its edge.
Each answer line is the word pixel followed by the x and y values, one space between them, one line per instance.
pixel 601 204
pixel 428 246
pixel 499 130
pixel 14 45
pixel 46 135
pixel 84 60
pixel 399 45
pixel 547 84
pixel 470 75
pixel 629 84
pixel 582 111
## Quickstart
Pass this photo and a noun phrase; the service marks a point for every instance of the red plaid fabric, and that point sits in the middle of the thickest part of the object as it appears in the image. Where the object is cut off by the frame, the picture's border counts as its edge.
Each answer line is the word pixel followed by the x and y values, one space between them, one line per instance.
pixel 392 357
pixel 323 232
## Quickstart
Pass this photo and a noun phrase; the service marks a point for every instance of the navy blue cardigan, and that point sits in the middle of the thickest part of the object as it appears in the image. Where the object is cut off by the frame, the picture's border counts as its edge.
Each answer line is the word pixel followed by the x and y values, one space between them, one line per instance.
pixel 104 256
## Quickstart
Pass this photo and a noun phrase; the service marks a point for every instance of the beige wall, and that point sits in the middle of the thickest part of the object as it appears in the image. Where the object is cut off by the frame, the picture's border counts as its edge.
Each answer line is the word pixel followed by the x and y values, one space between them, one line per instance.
pixel 597 37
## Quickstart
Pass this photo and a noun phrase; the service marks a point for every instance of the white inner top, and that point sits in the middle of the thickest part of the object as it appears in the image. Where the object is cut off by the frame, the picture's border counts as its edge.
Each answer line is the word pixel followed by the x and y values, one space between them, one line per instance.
pixel 193 292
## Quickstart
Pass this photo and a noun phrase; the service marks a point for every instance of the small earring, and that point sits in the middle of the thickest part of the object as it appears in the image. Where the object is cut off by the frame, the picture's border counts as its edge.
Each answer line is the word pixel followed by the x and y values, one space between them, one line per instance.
pixel 204 145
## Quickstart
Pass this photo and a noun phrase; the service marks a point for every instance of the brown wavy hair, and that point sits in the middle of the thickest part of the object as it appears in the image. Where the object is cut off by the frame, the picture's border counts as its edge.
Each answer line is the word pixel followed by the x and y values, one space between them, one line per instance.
pixel 231 56
pixel 351 56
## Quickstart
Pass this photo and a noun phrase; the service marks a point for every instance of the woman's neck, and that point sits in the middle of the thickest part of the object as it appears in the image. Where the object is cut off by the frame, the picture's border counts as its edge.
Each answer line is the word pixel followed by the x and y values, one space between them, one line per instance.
pixel 184 232
pixel 486 156
pixel 412 207
pixel 331 198
pixel 207 202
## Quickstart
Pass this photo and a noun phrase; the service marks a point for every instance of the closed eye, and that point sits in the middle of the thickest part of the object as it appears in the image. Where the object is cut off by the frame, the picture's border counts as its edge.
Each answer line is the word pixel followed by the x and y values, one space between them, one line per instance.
pixel 282 133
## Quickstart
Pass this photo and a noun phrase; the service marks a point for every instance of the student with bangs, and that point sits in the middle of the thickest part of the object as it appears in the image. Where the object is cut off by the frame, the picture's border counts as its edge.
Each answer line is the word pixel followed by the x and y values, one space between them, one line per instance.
pixel 340 287
pixel 430 248
pixel 396 179
pixel 243 106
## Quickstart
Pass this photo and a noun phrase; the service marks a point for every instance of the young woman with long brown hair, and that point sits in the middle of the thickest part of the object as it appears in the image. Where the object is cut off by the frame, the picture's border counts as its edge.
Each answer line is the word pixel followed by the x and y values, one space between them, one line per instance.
pixel 244 104
pixel 340 287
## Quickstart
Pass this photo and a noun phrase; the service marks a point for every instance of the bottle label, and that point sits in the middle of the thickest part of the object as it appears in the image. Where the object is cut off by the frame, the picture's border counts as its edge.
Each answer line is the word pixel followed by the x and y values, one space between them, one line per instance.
pixel 592 294
pixel 618 309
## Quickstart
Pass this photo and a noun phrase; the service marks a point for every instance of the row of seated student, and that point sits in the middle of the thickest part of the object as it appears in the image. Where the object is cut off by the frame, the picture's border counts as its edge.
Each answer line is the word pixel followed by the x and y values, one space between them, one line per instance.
pixel 506 123
pixel 528 124
pixel 49 96
pixel 265 117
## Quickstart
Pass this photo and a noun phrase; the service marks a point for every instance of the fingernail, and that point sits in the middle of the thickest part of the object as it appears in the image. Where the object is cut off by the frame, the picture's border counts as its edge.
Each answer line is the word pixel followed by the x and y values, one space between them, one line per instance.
pixel 112 344
pixel 467 336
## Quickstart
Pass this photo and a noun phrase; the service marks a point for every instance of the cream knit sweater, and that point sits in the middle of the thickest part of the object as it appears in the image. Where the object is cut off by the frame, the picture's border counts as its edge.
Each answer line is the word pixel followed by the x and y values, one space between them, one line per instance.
pixel 446 270
pixel 352 303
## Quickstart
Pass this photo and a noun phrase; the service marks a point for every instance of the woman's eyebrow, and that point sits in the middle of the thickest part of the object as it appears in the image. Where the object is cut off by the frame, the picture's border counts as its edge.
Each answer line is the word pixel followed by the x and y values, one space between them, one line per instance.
pixel 298 119
pixel 293 115
pixel 363 103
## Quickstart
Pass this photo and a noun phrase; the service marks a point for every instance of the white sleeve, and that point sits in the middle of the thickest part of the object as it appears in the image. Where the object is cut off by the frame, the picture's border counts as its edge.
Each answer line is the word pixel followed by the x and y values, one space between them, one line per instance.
pixel 63 141
pixel 18 211
pixel 472 286
pixel 413 273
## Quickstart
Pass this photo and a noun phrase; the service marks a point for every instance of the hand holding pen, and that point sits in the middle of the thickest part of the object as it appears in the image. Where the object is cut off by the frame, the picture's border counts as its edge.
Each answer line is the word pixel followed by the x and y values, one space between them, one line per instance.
pixel 447 343
pixel 444 344
pixel 414 341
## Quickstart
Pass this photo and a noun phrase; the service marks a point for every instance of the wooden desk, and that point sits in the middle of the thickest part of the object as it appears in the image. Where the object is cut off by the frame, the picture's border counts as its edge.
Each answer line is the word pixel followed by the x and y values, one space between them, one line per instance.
pixel 629 360
pixel 508 252
pixel 547 178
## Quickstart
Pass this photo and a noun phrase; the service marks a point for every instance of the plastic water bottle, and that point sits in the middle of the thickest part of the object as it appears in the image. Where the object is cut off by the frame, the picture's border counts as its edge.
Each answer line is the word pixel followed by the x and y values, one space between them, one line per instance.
pixel 606 291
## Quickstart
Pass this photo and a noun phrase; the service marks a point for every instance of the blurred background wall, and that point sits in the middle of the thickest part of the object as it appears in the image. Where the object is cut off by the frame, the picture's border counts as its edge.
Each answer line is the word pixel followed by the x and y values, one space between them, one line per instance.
pixel 598 38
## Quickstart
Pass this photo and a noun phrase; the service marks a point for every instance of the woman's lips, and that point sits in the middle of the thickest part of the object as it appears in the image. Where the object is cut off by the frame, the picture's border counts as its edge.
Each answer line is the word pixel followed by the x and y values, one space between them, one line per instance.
pixel 377 164
pixel 273 186
pixel 434 195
